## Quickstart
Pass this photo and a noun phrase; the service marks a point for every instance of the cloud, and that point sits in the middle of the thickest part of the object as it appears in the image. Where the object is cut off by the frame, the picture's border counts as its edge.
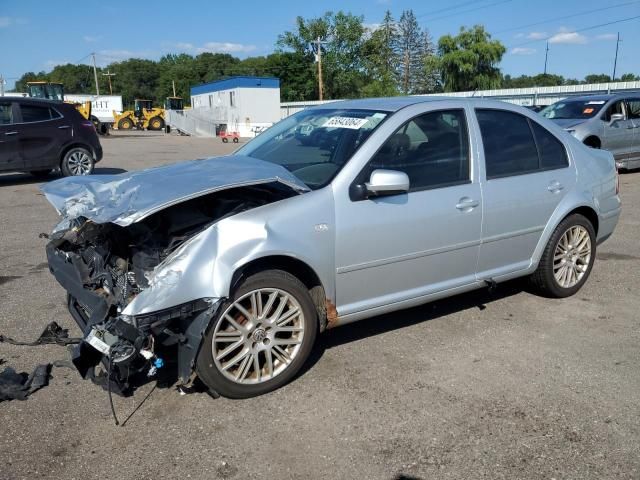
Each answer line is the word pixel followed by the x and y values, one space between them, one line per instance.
pixel 537 35
pixel 213 47
pixel 523 51
pixel 8 21
pixel 105 57
pixel 91 38
pixel 372 27
pixel 568 37
pixel 607 36
pixel 5 22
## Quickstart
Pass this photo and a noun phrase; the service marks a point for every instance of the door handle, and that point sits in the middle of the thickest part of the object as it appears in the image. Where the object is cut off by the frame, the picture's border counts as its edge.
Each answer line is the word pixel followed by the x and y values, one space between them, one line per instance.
pixel 64 127
pixel 11 133
pixel 466 204
pixel 555 187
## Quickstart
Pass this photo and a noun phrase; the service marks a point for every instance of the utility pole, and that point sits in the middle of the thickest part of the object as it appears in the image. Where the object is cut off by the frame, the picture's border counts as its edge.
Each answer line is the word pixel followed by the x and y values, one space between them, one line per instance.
pixel 109 75
pixel 319 43
pixel 95 73
pixel 546 57
pixel 615 60
pixel 173 84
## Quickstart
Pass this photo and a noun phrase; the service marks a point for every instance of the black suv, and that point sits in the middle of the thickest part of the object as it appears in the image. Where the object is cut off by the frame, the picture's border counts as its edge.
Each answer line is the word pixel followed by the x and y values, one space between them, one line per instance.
pixel 37 136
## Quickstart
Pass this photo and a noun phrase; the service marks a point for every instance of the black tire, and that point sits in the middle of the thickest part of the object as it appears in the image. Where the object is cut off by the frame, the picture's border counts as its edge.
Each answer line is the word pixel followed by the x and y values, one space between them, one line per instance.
pixel 156 123
pixel 225 140
pixel 41 173
pixel 543 279
pixel 77 161
pixel 235 139
pixel 206 368
pixel 125 124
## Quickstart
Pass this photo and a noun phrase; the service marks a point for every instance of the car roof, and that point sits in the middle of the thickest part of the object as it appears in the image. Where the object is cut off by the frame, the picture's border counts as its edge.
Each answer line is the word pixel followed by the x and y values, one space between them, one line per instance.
pixel 30 100
pixel 605 97
pixel 393 104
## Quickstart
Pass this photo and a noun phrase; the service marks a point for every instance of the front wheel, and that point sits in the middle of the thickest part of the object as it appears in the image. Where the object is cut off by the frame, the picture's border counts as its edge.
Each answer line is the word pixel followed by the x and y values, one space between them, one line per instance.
pixel 77 161
pixel 567 259
pixel 260 338
pixel 156 123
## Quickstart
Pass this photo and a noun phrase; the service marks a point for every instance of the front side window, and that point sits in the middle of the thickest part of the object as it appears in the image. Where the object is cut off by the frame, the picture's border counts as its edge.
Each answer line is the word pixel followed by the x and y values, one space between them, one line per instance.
pixel 432 149
pixel 634 108
pixel 615 107
pixel 509 147
pixel 315 144
pixel 6 114
pixel 33 113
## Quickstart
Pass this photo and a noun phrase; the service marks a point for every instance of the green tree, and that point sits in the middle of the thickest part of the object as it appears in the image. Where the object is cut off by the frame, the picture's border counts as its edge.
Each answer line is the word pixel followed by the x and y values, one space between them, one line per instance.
pixel 469 60
pixel 629 77
pixel 597 78
pixel 381 60
pixel 412 47
pixel 135 78
pixel 342 35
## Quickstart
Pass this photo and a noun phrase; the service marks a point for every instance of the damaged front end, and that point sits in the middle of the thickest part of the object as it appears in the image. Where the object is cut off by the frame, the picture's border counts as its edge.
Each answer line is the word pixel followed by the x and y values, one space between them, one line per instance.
pixel 125 274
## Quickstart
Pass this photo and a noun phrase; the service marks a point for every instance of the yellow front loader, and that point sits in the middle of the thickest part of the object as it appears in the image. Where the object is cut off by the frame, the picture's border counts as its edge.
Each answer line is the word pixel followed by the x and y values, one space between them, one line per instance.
pixel 55 91
pixel 144 116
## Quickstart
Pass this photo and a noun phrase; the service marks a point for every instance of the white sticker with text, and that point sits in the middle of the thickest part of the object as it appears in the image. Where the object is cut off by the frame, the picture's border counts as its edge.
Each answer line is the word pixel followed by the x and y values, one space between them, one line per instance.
pixel 345 122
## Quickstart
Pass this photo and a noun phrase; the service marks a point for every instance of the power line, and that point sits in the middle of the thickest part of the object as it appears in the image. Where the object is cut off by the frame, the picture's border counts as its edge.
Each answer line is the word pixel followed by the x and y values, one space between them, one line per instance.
pixel 566 17
pixel 592 27
pixel 469 10
pixel 452 7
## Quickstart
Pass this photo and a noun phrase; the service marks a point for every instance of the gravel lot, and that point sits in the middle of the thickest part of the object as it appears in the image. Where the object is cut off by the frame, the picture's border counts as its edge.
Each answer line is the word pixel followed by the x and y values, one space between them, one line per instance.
pixel 503 385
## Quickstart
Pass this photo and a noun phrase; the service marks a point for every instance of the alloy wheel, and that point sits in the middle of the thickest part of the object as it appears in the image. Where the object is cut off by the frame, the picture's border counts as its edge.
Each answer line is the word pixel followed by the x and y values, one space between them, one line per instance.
pixel 79 163
pixel 572 256
pixel 258 336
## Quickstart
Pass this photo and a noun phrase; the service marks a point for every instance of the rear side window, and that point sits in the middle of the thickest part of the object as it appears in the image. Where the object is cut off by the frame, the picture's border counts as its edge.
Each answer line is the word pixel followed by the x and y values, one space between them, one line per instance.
pixel 515 145
pixel 552 152
pixel 34 113
pixel 509 147
pixel 6 115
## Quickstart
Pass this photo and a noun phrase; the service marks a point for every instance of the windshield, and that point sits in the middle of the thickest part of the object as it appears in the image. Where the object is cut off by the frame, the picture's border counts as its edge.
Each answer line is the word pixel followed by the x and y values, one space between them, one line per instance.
pixel 573 109
pixel 315 144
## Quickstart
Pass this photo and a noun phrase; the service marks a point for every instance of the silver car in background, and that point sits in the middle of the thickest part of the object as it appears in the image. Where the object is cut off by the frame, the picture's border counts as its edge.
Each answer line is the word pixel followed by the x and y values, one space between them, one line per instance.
pixel 610 122
pixel 229 267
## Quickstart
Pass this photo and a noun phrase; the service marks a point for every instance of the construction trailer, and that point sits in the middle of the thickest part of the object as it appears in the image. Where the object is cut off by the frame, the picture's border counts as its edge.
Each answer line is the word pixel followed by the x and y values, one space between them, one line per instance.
pixel 242 105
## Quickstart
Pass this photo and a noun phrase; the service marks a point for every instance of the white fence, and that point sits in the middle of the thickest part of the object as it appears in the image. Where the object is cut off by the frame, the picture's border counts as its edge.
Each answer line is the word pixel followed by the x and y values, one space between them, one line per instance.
pixel 519 96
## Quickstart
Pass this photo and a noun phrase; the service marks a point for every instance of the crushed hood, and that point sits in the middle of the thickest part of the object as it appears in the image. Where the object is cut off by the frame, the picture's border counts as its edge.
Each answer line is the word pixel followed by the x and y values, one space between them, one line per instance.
pixel 130 197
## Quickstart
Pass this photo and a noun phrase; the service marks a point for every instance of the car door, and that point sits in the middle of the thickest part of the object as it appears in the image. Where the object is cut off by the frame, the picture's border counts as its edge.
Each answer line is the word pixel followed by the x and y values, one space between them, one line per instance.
pixel 9 151
pixel 633 110
pixel 618 136
pixel 43 131
pixel 526 175
pixel 390 249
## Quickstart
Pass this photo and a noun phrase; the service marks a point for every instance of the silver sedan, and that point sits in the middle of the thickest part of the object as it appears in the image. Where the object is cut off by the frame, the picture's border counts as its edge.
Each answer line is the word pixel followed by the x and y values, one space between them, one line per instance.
pixel 228 268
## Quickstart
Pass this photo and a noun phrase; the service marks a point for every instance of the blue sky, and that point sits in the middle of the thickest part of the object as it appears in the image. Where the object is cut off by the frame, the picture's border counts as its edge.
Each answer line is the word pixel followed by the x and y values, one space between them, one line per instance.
pixel 36 35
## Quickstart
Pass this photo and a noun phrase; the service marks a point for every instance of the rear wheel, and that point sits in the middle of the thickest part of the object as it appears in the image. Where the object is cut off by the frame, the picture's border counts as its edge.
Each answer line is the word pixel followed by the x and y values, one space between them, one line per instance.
pixel 260 337
pixel 156 123
pixel 235 139
pixel 125 124
pixel 567 259
pixel 77 161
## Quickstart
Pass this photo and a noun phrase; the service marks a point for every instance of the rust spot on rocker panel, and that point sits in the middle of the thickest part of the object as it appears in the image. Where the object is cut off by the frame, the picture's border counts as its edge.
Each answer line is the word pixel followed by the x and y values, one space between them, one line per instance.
pixel 332 314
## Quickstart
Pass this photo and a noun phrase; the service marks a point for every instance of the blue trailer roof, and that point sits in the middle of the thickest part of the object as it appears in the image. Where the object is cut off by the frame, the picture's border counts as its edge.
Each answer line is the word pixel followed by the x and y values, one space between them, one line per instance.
pixel 236 82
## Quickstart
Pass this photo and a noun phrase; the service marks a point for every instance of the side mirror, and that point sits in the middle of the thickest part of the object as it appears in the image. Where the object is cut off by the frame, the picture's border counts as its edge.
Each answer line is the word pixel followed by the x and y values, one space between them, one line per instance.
pixel 616 117
pixel 387 182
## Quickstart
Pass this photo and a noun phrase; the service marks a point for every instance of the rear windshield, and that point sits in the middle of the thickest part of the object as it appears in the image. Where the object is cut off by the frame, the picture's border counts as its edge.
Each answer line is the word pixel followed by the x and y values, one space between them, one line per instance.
pixel 568 109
